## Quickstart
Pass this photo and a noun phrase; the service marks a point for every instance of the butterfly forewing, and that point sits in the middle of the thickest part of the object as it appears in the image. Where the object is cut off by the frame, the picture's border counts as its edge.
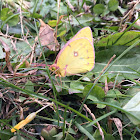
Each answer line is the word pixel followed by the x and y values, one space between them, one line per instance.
pixel 84 32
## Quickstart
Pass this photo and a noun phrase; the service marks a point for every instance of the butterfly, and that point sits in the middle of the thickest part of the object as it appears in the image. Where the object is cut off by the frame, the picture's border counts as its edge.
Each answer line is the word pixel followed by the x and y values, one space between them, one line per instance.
pixel 77 55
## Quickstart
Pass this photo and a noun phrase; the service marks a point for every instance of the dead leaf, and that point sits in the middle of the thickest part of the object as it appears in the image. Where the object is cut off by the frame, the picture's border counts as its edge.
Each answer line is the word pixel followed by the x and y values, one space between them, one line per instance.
pixel 7 57
pixel 47 37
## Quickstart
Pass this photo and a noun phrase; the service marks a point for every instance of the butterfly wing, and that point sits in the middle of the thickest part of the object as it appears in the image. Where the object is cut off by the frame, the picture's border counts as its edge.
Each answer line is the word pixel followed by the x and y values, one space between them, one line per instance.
pixel 84 32
pixel 77 57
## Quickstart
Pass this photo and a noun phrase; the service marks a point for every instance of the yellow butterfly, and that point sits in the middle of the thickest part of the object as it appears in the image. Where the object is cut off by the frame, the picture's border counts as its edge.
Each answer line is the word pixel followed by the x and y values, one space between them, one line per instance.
pixel 77 56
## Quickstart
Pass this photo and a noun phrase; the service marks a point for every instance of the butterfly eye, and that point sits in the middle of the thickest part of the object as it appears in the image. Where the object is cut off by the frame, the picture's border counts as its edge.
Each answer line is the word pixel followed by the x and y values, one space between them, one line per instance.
pixel 53 68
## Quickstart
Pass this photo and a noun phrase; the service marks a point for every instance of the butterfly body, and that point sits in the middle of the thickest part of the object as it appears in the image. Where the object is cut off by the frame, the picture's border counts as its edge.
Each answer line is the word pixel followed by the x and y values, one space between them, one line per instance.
pixel 77 56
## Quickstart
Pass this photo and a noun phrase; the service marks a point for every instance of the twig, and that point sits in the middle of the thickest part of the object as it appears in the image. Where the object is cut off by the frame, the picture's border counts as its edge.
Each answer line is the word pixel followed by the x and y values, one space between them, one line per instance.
pixel 11 37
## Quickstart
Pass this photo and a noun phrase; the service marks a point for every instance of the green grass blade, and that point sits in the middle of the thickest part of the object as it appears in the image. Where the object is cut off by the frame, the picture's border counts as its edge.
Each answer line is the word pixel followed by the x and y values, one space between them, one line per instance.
pixel 84 131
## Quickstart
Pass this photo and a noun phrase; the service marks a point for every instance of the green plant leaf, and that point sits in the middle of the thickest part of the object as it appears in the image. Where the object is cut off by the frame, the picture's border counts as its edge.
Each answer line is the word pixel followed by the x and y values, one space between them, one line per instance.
pixel 83 130
pixel 76 87
pixel 113 5
pixel 62 10
pixel 59 136
pixel 69 137
pixel 126 40
pixel 97 135
pixel 133 106
pixel 29 86
pixel 124 66
pixel 62 33
pixel 98 9
pixel 5 134
pixel 80 20
pixel 7 13
pixel 114 93
pixel 52 23
pixel 22 48
pixel 97 92
pixel 43 7
pixel 109 137
pixel 14 29
pixel 71 131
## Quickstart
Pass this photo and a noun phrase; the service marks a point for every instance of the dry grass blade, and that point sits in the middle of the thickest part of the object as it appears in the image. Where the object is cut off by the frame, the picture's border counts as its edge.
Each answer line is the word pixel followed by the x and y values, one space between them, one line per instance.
pixel 93 116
